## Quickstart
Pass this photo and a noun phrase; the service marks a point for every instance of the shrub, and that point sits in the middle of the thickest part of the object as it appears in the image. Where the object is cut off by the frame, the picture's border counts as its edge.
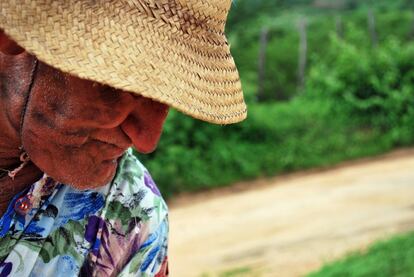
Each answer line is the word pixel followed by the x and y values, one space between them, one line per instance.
pixel 375 86
pixel 276 138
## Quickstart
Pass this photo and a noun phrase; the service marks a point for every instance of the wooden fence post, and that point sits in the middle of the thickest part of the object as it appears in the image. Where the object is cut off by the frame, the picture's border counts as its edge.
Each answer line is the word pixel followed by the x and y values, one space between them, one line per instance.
pixel 303 53
pixel 372 27
pixel 411 35
pixel 262 63
pixel 339 27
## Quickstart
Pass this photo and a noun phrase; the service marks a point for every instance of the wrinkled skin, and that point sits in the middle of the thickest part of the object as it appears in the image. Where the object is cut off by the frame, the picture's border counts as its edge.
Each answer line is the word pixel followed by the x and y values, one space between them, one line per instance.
pixel 74 130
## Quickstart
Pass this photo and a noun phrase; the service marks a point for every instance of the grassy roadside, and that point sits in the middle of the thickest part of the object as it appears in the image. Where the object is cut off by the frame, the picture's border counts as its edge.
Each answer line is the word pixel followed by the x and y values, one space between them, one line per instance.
pixel 394 257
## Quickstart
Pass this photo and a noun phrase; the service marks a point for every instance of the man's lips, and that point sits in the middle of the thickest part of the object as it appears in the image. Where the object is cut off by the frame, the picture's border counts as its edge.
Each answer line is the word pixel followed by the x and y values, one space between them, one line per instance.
pixel 109 151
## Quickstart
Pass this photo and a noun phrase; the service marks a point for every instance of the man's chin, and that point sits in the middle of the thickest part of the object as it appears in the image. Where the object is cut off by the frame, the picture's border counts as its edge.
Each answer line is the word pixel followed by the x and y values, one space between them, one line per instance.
pixel 90 180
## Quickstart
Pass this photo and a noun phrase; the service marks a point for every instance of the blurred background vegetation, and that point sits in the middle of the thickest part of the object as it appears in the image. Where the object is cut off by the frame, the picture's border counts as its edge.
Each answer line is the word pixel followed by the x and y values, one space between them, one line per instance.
pixel 325 81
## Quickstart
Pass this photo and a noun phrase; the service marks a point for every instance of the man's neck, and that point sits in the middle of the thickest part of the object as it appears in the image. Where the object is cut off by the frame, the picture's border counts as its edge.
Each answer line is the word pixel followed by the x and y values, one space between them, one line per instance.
pixel 14 84
pixel 10 187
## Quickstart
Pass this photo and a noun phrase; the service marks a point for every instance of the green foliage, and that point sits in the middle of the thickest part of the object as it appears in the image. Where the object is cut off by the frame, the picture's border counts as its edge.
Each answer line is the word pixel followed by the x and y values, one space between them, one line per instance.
pixel 249 17
pixel 389 258
pixel 275 138
pixel 375 86
pixel 358 99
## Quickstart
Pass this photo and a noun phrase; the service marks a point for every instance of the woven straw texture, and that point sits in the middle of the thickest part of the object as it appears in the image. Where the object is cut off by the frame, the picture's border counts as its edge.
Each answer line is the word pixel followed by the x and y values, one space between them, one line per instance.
pixel 173 51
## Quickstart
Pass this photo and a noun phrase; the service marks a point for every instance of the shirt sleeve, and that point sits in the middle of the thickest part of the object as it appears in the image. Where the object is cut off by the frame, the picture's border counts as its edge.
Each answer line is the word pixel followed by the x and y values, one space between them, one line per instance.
pixel 151 260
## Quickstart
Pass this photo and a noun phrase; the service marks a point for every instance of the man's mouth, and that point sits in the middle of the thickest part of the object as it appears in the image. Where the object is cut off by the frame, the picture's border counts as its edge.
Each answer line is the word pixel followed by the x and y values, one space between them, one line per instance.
pixel 110 151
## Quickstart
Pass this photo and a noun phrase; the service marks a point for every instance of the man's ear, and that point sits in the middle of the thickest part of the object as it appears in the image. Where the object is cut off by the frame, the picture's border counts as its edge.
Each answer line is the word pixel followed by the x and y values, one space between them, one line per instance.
pixel 8 46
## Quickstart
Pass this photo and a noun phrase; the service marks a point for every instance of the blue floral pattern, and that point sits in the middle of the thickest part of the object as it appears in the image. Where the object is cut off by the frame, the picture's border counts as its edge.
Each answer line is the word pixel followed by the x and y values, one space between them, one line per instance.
pixel 119 229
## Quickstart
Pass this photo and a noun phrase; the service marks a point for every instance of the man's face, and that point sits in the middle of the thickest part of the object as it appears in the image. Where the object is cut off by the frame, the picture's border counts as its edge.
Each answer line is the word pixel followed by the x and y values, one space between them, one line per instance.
pixel 75 130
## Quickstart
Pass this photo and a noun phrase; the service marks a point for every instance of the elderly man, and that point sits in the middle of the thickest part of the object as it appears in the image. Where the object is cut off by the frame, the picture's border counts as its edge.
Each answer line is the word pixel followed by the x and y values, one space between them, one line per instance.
pixel 80 83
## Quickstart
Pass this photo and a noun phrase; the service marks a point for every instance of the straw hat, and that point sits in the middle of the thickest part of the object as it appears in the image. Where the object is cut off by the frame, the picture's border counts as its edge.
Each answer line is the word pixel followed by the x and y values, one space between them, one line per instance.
pixel 173 51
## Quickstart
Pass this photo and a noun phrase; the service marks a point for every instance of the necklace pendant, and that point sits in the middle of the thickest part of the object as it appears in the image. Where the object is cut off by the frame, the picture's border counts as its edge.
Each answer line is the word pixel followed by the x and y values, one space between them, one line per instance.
pixel 23 205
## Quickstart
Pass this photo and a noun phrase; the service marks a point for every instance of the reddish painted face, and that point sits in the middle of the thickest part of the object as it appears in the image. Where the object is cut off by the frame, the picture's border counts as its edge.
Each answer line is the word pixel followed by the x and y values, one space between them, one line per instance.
pixel 75 130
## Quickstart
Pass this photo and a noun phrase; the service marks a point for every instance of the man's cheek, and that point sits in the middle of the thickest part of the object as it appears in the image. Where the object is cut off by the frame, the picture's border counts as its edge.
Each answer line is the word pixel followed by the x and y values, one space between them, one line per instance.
pixel 40 152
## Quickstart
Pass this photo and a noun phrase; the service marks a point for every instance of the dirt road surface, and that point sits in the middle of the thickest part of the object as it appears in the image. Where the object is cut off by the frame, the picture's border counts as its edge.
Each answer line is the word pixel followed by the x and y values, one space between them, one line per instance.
pixel 291 225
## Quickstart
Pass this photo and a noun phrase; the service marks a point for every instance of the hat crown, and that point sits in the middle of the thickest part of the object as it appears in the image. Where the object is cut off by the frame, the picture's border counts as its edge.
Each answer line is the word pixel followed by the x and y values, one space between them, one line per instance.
pixel 172 51
pixel 187 15
pixel 217 9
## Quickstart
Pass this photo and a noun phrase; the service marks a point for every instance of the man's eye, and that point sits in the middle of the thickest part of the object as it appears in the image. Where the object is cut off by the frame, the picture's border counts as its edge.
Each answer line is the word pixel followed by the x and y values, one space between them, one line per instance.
pixel 109 94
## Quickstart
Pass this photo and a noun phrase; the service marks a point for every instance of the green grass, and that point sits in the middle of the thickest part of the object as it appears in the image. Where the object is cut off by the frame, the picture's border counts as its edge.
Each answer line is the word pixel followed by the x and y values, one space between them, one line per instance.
pixel 237 272
pixel 392 258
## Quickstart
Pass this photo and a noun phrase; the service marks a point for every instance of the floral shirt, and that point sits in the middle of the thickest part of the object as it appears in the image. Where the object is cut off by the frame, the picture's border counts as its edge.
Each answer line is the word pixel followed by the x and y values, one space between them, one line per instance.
pixel 120 229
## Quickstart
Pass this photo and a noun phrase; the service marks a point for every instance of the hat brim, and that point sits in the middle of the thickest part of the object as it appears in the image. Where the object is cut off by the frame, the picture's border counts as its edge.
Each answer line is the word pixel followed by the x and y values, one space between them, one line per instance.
pixel 196 75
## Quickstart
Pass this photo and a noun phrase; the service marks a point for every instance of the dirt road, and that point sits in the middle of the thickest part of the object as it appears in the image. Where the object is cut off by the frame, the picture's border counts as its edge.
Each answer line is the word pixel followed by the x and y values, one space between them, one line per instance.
pixel 290 225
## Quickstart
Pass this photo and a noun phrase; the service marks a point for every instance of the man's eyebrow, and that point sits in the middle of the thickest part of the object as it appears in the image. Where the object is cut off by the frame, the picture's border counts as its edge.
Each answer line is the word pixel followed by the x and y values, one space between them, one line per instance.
pixel 59 78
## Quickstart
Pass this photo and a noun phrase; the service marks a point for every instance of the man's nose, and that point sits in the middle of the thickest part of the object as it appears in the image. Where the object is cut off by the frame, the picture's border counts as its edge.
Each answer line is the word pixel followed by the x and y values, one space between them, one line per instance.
pixel 145 123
